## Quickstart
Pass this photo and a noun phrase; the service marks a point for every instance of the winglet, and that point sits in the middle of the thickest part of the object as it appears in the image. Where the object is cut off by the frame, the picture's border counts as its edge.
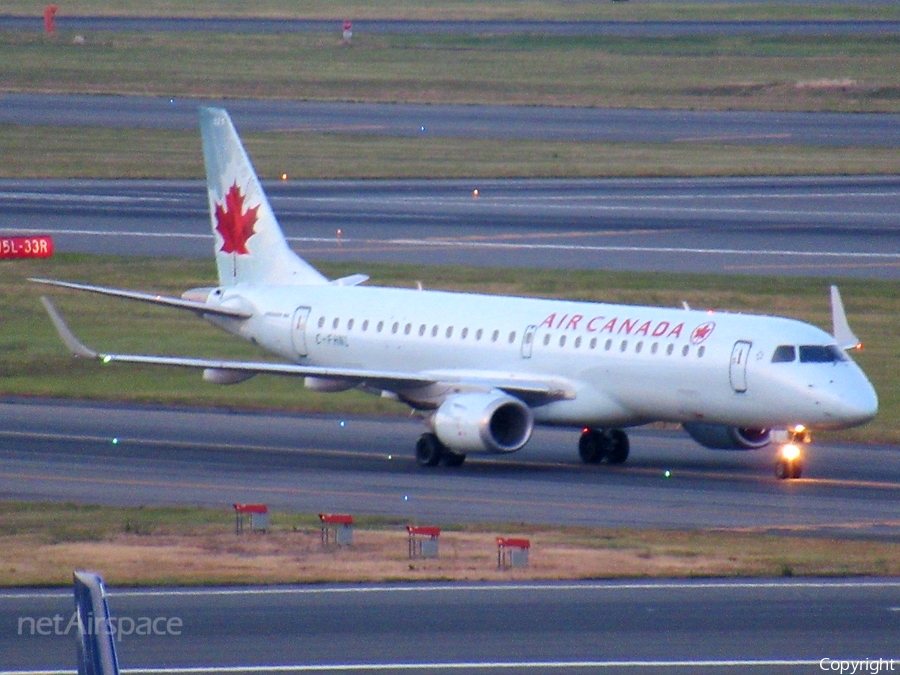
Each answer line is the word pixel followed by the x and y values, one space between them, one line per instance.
pixel 840 328
pixel 75 346
pixel 96 634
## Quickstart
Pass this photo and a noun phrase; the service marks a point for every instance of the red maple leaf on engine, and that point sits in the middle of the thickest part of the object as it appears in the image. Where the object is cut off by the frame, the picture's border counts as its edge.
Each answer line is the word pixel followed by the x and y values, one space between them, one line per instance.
pixel 235 225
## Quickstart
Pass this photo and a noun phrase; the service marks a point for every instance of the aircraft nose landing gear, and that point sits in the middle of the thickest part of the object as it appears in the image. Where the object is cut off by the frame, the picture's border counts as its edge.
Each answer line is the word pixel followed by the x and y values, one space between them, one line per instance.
pixel 790 461
pixel 789 464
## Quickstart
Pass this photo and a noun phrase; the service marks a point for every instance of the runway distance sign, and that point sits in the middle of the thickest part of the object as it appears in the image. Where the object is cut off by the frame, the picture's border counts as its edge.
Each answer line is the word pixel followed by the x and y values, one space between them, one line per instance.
pixel 40 246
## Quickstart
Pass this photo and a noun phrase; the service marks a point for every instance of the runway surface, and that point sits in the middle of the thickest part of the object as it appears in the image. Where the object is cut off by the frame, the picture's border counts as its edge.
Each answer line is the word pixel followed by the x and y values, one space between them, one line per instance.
pixel 516 27
pixel 830 227
pixel 114 454
pixel 125 455
pixel 471 121
pixel 715 626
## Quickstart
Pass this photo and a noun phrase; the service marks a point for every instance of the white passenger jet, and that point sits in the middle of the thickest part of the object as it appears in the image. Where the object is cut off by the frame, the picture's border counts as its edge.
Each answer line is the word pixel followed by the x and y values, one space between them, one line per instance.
pixel 483 370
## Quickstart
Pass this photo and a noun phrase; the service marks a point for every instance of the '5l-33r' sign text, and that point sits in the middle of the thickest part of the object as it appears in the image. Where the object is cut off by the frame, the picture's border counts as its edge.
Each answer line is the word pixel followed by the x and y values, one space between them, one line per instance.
pixel 26 247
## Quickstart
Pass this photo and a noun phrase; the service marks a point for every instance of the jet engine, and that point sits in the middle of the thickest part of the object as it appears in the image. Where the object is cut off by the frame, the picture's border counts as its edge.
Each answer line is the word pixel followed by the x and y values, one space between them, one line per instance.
pixel 483 422
pixel 721 437
pixel 226 376
pixel 326 385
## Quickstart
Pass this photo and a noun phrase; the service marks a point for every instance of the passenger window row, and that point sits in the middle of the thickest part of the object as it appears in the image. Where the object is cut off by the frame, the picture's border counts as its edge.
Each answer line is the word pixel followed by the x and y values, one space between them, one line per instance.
pixel 622 346
pixel 407 329
pixel 448 332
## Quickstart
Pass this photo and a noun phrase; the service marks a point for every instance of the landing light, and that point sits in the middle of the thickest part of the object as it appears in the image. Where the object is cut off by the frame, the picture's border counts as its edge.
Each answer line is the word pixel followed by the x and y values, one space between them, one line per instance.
pixel 790 452
pixel 798 434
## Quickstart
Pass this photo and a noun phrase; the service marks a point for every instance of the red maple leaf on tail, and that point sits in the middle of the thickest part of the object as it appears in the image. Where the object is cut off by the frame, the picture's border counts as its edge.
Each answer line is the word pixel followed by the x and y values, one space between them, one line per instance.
pixel 235 226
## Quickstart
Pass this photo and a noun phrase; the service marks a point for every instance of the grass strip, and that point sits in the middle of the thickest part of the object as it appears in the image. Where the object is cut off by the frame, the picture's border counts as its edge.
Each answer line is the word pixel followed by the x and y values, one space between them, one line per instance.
pixel 821 73
pixel 88 152
pixel 34 362
pixel 41 543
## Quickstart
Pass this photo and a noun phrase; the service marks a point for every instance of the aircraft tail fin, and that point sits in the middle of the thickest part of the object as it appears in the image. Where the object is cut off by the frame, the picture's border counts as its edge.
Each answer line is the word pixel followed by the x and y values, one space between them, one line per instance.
pixel 96 639
pixel 250 246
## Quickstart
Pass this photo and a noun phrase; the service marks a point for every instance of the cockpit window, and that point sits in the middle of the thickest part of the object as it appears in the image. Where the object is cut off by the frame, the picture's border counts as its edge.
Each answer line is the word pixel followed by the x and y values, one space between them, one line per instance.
pixel 784 354
pixel 821 354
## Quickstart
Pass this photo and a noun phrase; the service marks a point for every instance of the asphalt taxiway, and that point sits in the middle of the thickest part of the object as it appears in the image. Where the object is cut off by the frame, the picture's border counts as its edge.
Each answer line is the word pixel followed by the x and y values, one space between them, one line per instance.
pixel 111 454
pixel 684 127
pixel 708 626
pixel 817 226
pixel 649 28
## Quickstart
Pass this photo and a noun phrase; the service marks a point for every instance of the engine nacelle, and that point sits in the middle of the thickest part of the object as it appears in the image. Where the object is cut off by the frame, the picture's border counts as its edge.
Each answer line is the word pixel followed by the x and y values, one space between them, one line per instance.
pixel 328 385
pixel 483 422
pixel 721 437
pixel 225 376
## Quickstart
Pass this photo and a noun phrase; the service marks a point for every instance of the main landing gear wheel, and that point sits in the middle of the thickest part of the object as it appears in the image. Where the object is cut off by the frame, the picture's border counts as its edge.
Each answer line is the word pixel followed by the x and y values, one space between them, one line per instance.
pixel 429 450
pixel 595 445
pixel 453 458
pixel 619 447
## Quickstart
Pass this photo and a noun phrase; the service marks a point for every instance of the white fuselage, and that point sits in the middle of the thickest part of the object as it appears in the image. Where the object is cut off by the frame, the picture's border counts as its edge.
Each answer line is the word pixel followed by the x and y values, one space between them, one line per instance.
pixel 621 364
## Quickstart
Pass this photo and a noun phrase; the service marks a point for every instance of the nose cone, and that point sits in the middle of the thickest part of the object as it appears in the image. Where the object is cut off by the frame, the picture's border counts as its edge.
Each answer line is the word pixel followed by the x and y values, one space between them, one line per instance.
pixel 861 404
pixel 856 402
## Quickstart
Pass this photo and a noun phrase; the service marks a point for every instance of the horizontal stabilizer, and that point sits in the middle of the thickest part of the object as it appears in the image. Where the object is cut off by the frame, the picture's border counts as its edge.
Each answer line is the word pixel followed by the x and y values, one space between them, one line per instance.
pixel 163 300
pixel 352 280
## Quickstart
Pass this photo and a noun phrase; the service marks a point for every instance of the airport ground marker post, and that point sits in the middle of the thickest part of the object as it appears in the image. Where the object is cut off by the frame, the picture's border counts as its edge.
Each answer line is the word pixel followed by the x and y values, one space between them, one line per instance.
pixel 337 529
pixel 512 552
pixel 423 541
pixel 50 19
pixel 258 514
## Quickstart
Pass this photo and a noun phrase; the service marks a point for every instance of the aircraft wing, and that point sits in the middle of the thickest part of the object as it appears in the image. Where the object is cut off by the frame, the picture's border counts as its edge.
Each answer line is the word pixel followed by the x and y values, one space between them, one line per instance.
pixel 166 301
pixel 532 390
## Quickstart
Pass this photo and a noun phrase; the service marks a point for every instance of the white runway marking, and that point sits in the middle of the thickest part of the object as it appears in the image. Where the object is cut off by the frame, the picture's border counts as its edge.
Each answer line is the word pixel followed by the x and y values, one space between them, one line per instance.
pixel 441 243
pixel 453 588
pixel 475 665
pixel 640 249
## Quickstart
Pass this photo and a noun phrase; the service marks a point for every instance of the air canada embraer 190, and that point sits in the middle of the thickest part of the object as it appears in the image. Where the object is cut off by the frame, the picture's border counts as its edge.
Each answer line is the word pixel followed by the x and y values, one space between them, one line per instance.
pixel 484 370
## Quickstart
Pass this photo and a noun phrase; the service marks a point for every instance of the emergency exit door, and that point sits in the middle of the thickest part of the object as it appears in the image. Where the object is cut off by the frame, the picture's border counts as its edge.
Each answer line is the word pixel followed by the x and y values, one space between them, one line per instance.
pixel 739 356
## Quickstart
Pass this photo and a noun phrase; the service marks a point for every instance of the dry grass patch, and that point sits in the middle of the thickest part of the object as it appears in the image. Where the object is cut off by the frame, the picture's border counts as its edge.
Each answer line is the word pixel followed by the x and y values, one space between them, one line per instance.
pixel 152 546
